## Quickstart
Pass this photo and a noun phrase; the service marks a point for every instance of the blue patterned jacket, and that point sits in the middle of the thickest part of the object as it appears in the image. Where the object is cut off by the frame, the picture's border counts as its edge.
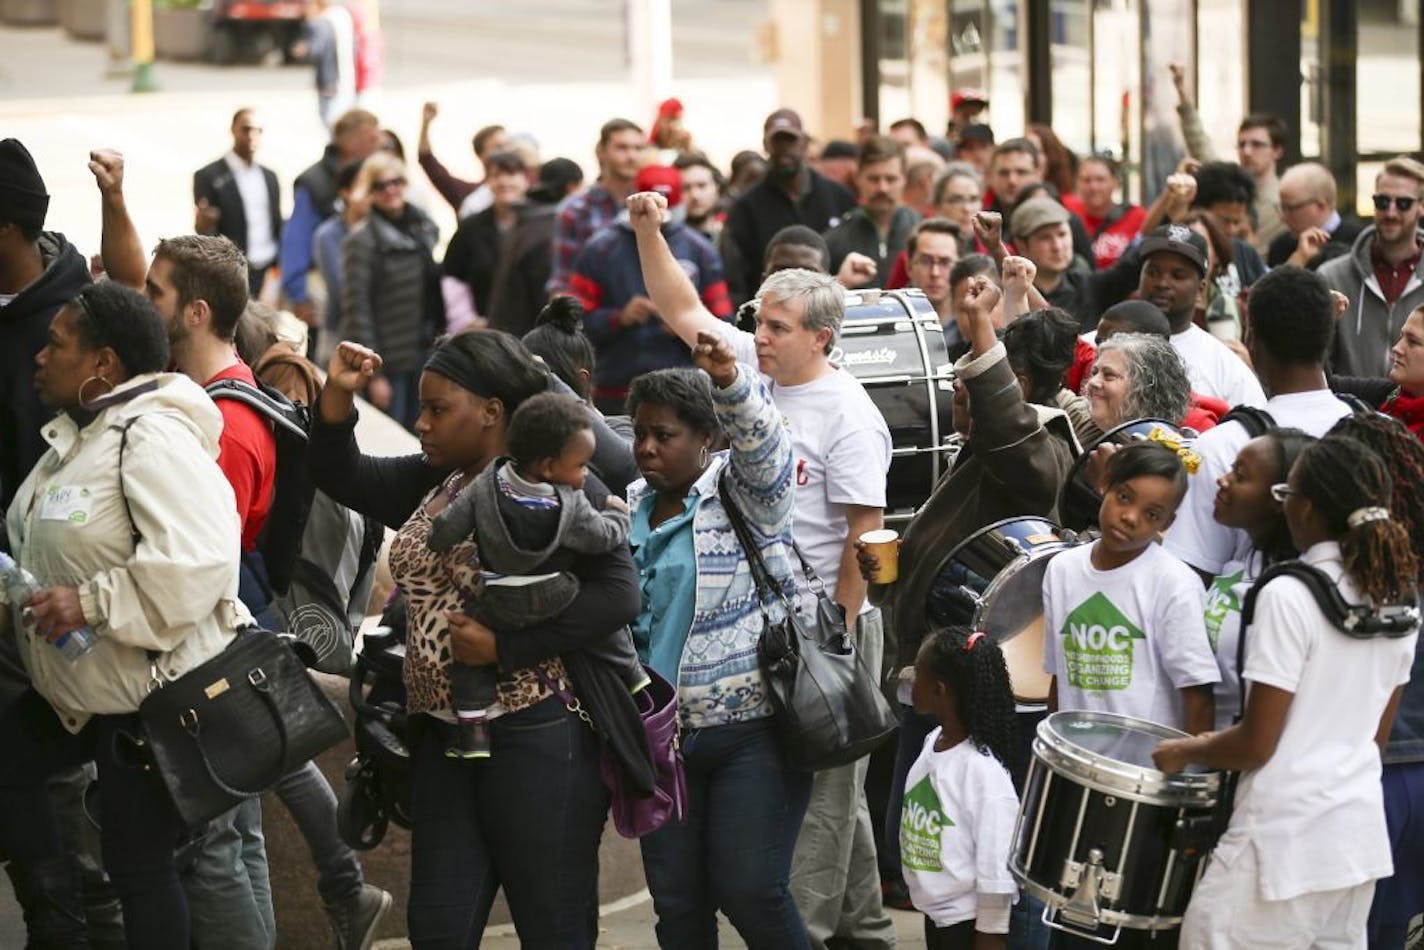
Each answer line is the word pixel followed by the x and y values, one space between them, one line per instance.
pixel 718 678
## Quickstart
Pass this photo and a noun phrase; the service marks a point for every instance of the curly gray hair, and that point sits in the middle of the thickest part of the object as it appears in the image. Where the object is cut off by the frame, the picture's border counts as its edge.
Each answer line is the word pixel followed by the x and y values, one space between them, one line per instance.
pixel 1158 385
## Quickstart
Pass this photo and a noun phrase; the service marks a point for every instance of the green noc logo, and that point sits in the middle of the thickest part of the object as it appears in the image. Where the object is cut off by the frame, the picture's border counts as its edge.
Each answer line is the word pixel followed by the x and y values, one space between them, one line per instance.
pixel 1098 645
pixel 921 822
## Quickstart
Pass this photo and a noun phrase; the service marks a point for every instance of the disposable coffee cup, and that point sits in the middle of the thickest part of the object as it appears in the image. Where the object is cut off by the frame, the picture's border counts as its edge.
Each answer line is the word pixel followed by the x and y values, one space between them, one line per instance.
pixel 885 545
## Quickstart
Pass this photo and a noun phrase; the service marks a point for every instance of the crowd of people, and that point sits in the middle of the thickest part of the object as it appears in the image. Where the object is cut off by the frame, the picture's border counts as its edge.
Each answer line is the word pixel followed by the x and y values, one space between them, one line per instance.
pixel 612 382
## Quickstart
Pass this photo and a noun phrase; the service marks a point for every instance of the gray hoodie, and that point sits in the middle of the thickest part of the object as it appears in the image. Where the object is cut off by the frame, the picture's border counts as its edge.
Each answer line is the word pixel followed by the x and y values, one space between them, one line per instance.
pixel 1366 331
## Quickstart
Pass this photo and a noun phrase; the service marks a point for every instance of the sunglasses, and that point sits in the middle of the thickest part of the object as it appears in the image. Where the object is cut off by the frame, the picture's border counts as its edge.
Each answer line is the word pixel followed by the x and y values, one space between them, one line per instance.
pixel 1280 491
pixel 1402 203
pixel 388 184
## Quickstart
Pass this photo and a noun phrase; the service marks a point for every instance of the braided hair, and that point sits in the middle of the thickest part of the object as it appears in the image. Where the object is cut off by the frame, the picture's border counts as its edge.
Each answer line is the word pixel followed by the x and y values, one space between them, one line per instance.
pixel 1403 455
pixel 1340 475
pixel 973 667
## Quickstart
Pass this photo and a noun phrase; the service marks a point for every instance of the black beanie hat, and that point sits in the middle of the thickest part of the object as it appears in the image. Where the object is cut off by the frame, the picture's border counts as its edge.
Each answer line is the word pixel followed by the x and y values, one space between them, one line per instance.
pixel 23 199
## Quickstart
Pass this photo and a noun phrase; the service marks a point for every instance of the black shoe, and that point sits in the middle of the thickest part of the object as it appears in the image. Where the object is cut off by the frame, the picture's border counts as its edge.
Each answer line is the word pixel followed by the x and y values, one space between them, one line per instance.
pixel 472 738
pixel 355 920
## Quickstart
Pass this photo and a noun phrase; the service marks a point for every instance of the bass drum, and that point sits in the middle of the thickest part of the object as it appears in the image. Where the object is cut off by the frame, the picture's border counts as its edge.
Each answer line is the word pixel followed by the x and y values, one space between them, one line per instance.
pixel 1079 501
pixel 1103 838
pixel 993 582
pixel 893 343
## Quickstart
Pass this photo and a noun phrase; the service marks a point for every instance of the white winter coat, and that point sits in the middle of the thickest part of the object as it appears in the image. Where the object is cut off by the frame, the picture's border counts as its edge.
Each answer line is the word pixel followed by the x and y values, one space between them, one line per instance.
pixel 173 590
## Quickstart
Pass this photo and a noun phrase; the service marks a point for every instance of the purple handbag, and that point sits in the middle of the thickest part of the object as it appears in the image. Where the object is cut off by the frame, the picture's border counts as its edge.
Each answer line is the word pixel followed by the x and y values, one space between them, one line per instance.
pixel 635 816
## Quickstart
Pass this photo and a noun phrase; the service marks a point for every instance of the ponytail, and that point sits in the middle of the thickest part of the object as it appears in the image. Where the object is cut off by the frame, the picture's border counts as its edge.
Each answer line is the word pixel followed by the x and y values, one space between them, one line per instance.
pixel 1350 487
pixel 973 666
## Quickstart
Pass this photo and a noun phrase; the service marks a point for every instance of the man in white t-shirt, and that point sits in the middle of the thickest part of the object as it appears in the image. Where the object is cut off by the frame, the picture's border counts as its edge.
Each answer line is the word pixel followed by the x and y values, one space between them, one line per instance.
pixel 1174 266
pixel 841 447
pixel 1292 327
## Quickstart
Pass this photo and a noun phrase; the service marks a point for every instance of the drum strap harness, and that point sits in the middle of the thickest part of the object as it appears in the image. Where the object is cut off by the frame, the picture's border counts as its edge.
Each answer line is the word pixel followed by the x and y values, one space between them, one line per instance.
pixel 1360 621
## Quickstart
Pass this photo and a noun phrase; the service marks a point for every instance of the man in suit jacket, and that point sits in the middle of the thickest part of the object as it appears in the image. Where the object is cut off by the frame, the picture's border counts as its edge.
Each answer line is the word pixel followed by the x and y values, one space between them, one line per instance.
pixel 239 199
pixel 1315 230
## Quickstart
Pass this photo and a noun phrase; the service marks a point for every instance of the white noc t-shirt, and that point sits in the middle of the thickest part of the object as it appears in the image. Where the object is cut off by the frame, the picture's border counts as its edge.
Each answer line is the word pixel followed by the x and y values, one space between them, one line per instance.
pixel 956 828
pixel 1125 641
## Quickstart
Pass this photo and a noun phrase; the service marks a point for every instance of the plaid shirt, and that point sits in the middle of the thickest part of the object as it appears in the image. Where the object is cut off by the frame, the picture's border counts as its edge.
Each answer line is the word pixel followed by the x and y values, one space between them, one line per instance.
pixel 580 217
pixel 1393 279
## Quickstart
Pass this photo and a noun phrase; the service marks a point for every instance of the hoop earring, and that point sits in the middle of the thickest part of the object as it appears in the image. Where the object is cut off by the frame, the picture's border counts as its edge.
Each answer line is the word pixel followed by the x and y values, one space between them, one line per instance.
pixel 86 403
pixel 703 458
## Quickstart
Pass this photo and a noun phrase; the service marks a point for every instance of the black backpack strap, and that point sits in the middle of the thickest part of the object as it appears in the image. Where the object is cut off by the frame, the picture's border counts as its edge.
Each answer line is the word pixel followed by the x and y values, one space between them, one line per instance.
pixel 1257 422
pixel 270 403
pixel 1357 405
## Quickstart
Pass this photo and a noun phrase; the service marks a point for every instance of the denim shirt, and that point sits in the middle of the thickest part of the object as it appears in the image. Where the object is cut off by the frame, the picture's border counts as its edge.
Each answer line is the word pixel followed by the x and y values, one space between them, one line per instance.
pixel 667 576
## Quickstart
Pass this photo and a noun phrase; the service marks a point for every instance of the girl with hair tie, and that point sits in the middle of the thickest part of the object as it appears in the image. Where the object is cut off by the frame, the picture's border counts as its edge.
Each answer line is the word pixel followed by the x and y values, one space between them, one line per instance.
pixel 957 823
pixel 1307 839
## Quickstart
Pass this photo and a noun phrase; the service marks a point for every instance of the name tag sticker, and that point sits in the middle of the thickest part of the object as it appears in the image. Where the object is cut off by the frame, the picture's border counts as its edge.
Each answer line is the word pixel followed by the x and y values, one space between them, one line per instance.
pixel 70 503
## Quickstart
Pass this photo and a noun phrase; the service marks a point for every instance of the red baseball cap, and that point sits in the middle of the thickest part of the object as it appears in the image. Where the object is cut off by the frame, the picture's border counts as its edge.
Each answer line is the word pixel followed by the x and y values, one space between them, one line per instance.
pixel 669 109
pixel 664 179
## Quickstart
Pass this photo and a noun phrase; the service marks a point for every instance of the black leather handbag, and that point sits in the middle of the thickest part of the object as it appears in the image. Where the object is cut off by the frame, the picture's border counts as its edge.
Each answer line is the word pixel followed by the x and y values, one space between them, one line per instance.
pixel 829 707
pixel 231 727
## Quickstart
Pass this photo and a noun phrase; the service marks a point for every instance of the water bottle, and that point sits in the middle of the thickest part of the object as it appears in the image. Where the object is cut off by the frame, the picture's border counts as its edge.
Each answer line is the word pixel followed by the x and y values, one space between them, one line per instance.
pixel 19 585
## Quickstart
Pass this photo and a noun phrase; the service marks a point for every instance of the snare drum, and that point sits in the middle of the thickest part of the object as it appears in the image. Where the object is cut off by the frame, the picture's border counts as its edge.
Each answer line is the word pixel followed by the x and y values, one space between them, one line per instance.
pixel 993 582
pixel 1080 501
pixel 1104 839
pixel 892 341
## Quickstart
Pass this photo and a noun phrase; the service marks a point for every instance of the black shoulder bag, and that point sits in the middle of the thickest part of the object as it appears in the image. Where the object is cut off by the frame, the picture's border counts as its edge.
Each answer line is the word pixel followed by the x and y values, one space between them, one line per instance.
pixel 829 708
pixel 232 726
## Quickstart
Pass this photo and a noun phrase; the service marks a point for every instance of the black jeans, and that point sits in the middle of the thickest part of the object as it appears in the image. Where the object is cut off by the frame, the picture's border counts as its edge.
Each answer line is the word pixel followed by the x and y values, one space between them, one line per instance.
pixel 140 826
pixel 733 854
pixel 958 936
pixel 527 819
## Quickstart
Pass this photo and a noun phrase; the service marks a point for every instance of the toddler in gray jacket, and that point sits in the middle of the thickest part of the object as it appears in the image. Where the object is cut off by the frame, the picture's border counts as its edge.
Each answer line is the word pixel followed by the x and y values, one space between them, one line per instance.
pixel 530 519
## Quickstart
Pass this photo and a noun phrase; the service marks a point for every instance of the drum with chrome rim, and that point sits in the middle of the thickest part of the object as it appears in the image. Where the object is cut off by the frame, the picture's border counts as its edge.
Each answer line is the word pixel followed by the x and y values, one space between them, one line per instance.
pixel 1103 838
pixel 1079 501
pixel 993 581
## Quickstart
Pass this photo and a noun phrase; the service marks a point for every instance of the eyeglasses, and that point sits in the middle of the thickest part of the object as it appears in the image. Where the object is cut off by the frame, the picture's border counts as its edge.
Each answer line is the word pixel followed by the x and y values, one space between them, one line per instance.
pixel 930 262
pixel 1281 491
pixel 1402 203
pixel 388 184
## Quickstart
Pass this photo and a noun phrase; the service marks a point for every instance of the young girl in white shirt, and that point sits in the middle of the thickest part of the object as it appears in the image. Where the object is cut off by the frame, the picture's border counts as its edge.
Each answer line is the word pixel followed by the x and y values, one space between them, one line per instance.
pixel 1307 838
pixel 957 822
pixel 1123 628
pixel 1243 500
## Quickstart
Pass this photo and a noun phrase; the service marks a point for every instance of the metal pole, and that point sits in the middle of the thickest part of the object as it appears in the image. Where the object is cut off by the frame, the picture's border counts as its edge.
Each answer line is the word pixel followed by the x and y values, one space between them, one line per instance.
pixel 143 46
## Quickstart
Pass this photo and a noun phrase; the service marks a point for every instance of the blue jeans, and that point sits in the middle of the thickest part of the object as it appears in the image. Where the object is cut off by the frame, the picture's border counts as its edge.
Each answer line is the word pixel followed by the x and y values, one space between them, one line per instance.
pixel 140 826
pixel 527 819
pixel 229 892
pixel 1399 898
pixel 312 805
pixel 734 851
